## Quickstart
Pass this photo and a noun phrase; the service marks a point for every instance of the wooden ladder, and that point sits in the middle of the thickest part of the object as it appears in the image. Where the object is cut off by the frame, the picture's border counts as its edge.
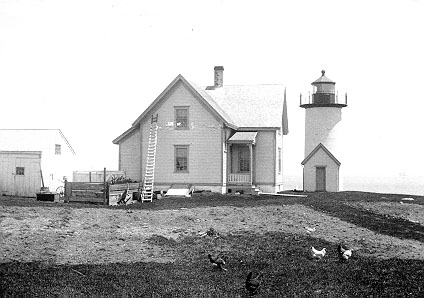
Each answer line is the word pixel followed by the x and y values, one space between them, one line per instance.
pixel 149 176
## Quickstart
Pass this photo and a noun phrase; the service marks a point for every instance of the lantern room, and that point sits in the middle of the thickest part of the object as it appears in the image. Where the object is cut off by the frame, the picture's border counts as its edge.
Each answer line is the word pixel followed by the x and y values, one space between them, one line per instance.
pixel 323 90
pixel 323 94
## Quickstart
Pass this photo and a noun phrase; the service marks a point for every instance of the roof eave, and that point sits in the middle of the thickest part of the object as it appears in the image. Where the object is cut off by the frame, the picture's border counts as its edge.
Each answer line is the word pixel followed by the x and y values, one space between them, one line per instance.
pixel 163 93
pixel 67 143
pixel 255 128
pixel 123 135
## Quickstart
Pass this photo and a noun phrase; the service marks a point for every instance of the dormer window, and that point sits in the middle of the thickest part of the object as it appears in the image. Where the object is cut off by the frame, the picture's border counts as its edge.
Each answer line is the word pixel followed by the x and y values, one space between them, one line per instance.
pixel 181 117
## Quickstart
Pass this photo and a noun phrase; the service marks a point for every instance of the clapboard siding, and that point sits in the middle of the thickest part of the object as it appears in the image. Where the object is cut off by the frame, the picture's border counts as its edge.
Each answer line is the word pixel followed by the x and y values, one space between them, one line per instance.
pixel 278 144
pixel 129 155
pixel 265 157
pixel 203 138
pixel 209 159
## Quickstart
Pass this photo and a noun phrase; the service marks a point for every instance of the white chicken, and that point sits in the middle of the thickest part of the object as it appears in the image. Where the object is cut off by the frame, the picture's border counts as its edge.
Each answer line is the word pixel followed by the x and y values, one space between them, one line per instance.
pixel 318 254
pixel 310 230
pixel 344 252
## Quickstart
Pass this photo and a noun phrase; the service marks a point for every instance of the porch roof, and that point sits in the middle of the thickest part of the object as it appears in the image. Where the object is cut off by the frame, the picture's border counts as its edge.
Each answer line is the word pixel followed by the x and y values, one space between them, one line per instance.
pixel 243 137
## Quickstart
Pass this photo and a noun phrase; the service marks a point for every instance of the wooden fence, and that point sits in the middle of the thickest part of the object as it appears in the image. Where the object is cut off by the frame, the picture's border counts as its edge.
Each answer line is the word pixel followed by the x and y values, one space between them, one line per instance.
pixel 96 176
pixel 99 193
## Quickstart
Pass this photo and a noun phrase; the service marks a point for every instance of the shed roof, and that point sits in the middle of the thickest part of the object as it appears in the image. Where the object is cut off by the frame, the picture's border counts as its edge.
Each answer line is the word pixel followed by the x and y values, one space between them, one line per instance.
pixel 243 137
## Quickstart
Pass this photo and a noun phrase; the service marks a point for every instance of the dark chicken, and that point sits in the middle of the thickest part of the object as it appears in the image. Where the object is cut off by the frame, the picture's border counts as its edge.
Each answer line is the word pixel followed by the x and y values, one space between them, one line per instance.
pixel 253 284
pixel 217 261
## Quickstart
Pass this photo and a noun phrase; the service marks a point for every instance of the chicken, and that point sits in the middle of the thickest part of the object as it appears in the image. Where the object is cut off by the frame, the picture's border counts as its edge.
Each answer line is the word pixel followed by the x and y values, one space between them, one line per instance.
pixel 318 254
pixel 219 262
pixel 253 284
pixel 310 230
pixel 344 252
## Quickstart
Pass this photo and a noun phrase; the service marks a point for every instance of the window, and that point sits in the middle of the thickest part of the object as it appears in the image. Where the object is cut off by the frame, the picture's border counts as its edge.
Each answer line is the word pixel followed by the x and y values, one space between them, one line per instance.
pixel 20 171
pixel 181 159
pixel 244 159
pixel 57 149
pixel 181 117
pixel 279 160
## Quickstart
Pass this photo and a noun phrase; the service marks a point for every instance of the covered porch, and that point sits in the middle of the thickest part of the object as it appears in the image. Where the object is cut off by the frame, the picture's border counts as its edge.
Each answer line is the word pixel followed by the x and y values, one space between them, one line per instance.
pixel 241 159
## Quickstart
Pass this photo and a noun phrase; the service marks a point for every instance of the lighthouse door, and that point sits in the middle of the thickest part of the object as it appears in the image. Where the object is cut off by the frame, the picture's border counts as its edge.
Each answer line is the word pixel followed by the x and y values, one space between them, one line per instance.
pixel 320 178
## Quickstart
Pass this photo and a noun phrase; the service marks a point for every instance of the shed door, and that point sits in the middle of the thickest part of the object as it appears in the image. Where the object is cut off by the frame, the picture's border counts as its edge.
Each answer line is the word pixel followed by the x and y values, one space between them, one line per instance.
pixel 320 178
pixel 20 174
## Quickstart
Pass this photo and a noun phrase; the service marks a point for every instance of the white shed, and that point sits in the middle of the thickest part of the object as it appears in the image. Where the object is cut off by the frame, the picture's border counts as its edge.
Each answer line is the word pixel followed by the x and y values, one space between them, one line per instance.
pixel 321 170
pixel 20 172
pixel 30 158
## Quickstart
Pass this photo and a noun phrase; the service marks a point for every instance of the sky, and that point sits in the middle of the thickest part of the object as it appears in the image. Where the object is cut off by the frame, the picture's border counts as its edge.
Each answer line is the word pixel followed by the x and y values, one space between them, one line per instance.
pixel 91 67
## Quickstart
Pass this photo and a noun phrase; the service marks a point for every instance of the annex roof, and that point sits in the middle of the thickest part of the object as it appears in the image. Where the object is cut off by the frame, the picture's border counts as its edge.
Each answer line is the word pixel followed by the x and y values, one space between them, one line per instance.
pixel 320 146
pixel 256 106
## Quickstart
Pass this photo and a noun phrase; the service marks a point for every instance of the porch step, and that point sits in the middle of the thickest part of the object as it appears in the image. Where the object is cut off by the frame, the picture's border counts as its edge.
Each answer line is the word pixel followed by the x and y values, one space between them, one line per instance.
pixel 246 189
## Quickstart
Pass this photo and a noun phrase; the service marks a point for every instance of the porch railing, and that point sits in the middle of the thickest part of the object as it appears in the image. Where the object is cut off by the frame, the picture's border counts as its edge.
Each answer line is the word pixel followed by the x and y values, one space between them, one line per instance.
pixel 239 178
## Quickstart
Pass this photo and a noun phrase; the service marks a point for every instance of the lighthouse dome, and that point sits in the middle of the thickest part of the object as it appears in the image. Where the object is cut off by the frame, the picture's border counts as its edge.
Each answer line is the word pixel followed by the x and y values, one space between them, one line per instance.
pixel 323 79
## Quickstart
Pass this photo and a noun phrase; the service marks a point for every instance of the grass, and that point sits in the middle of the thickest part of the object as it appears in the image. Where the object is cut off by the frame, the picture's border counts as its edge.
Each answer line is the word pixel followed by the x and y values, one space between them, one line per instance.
pixel 288 272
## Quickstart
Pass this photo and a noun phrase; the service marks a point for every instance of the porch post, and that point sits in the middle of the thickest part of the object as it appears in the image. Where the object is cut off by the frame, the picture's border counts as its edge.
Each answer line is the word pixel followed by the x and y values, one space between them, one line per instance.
pixel 229 160
pixel 251 163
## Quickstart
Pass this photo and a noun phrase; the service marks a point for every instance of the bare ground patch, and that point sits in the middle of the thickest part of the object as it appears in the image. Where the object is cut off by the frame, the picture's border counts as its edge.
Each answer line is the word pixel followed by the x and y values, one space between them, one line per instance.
pixel 405 210
pixel 95 235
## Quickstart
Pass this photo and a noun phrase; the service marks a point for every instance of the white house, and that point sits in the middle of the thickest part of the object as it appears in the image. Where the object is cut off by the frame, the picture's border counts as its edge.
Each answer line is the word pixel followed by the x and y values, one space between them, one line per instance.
pixel 223 138
pixel 31 158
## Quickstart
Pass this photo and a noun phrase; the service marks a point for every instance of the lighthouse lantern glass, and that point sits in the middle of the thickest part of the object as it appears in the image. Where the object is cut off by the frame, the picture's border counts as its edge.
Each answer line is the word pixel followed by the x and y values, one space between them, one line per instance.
pixel 324 88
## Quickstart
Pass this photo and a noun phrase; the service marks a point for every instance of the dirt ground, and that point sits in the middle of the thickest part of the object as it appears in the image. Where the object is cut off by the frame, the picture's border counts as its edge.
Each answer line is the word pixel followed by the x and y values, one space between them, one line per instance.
pixel 66 235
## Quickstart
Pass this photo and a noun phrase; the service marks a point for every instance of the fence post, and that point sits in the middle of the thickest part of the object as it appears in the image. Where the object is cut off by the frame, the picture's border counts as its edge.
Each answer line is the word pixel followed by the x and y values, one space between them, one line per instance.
pixel 68 190
pixel 105 190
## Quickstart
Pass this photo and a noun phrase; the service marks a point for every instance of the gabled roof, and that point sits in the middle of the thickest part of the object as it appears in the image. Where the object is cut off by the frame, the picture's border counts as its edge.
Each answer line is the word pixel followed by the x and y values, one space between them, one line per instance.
pixel 238 107
pixel 198 92
pixel 320 146
pixel 14 137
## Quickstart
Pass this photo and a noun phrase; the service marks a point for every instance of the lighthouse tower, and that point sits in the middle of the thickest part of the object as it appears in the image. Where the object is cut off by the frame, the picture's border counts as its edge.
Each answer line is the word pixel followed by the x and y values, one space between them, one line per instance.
pixel 323 137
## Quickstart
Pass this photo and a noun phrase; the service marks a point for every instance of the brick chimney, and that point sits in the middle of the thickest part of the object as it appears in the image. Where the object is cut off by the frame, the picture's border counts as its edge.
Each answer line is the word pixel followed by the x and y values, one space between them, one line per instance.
pixel 219 76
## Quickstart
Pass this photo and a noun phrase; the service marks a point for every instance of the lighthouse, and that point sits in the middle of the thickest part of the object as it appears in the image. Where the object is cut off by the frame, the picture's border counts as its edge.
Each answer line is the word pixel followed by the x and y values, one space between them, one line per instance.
pixel 323 137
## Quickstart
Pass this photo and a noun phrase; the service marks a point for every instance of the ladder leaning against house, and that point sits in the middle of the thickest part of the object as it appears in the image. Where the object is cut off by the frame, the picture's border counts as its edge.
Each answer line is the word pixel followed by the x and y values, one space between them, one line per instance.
pixel 149 176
